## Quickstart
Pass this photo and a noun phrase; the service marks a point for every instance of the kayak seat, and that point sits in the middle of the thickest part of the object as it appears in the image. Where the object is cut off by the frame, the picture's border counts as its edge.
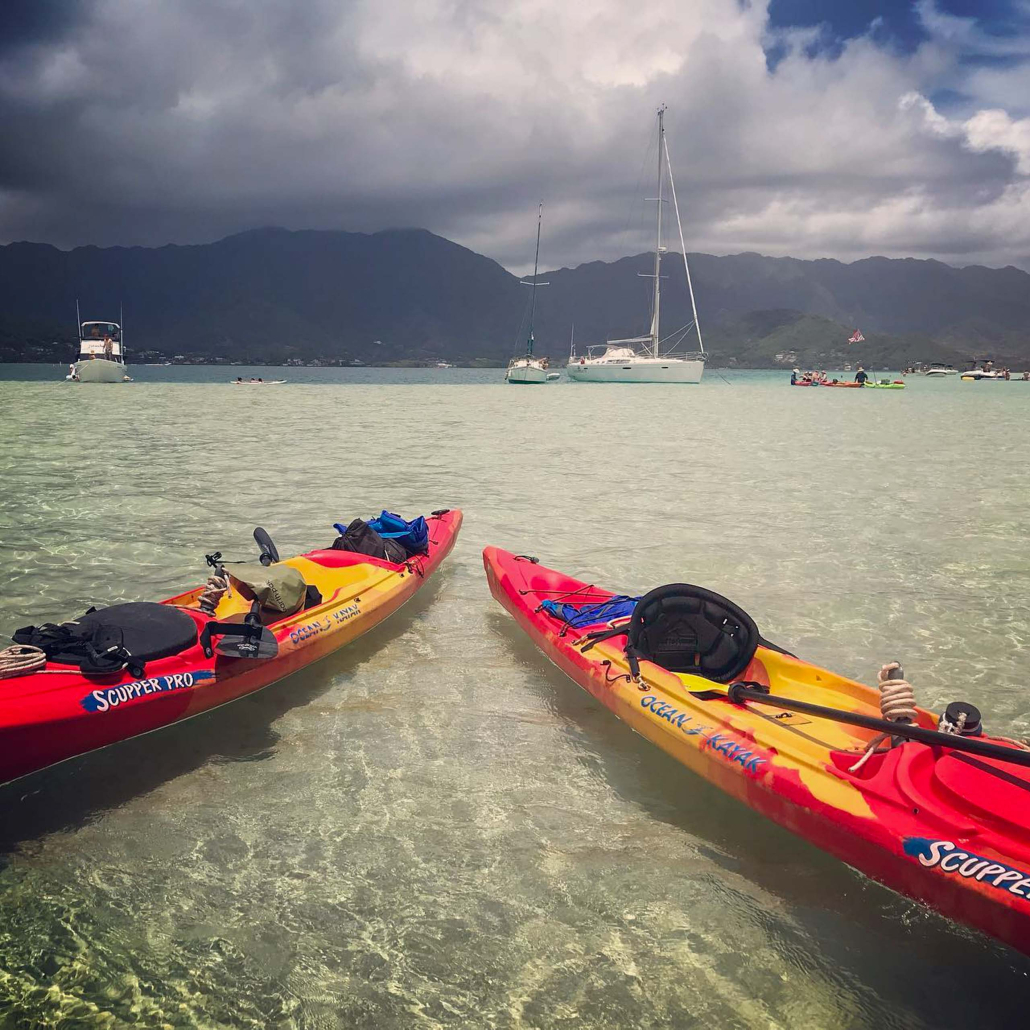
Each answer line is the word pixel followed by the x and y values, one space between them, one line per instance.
pixel 105 640
pixel 148 630
pixel 685 628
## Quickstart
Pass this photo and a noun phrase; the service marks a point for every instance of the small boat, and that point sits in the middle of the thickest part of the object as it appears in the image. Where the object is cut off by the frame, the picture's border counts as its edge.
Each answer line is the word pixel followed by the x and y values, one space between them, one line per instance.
pixel 172 660
pixel 552 376
pixel 101 353
pixel 528 369
pixel 884 384
pixel 975 375
pixel 797 379
pixel 933 806
pixel 936 368
pixel 649 358
pixel 256 382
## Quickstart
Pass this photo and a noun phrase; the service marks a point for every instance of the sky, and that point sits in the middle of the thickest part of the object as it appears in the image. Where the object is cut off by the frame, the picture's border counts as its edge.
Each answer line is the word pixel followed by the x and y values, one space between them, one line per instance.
pixel 811 128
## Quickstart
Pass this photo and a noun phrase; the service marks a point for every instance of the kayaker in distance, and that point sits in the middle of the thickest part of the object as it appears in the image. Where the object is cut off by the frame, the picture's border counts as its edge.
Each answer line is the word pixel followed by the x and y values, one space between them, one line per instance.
pixel 860 376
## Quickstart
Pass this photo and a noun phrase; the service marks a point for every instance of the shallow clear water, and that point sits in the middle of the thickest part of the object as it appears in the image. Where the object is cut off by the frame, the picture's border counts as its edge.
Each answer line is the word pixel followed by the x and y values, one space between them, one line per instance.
pixel 434 826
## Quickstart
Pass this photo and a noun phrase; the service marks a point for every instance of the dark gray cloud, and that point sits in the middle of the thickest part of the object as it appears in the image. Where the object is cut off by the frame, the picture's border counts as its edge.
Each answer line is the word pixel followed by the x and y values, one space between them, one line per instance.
pixel 26 23
pixel 145 122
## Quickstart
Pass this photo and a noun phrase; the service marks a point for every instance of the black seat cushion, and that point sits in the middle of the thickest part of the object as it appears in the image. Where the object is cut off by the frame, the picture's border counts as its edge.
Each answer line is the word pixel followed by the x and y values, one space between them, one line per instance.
pixel 148 630
pixel 685 628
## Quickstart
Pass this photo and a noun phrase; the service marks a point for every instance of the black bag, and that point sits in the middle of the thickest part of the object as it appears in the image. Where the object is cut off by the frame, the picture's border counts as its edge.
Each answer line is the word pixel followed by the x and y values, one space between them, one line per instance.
pixel 361 538
pixel 97 650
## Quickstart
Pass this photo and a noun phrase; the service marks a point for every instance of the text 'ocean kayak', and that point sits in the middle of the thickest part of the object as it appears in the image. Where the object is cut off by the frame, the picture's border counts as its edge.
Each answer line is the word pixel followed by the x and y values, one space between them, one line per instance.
pixel 941 817
pixel 204 658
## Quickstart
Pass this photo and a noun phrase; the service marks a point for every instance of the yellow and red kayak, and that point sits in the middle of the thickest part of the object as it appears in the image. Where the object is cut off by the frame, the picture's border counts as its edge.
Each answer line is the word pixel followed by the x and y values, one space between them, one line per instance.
pixel 52 714
pixel 941 817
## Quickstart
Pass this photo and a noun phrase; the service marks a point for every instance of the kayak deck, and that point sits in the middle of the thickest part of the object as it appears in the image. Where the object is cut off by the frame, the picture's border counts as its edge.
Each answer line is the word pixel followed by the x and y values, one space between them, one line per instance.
pixel 59 712
pixel 941 826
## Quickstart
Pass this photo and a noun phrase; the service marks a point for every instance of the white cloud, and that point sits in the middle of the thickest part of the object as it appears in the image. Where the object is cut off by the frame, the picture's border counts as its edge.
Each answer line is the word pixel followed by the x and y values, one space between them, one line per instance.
pixel 995 130
pixel 156 121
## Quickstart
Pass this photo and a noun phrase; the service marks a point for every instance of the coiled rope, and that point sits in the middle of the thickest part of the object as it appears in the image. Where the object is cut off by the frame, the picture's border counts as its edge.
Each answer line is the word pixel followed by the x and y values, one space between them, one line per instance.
pixel 897 704
pixel 20 660
pixel 214 589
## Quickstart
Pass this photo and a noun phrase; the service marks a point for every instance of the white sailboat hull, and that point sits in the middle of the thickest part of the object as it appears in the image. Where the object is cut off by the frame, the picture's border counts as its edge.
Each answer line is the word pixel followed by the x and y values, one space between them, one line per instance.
pixel 636 370
pixel 100 370
pixel 526 374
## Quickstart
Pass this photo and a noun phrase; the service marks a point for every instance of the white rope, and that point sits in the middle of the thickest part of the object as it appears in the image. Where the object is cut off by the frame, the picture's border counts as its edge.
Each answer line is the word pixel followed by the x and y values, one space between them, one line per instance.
pixel 897 704
pixel 20 660
pixel 957 727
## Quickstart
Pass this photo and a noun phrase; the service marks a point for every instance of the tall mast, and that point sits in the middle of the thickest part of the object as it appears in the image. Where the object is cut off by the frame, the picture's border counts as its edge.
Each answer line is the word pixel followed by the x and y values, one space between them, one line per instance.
pixel 534 283
pixel 536 268
pixel 657 302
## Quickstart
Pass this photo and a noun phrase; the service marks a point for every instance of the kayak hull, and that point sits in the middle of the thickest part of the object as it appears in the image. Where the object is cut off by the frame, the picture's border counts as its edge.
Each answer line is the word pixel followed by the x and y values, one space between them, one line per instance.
pixel 897 820
pixel 50 716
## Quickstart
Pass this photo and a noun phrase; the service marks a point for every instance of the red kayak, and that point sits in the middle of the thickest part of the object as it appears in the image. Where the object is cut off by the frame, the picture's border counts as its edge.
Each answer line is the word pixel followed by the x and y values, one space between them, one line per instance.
pixel 943 817
pixel 52 714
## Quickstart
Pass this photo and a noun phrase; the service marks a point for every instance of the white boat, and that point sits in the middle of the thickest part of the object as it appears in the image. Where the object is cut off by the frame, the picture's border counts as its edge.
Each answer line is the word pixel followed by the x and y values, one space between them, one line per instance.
pixel 936 368
pixel 983 373
pixel 526 370
pixel 650 358
pixel 256 382
pixel 529 369
pixel 101 354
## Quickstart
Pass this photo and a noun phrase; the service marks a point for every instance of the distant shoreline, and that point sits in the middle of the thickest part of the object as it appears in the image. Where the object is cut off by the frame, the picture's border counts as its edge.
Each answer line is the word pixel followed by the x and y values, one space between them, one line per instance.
pixel 713 365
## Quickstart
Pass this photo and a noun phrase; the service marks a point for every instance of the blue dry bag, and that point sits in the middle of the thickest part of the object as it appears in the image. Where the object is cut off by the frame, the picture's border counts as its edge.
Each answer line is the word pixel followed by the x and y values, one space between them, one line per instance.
pixel 578 616
pixel 412 536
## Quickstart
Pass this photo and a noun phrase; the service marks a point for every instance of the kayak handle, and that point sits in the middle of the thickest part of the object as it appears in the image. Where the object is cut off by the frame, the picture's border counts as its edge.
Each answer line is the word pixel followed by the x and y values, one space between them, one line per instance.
pixel 738 693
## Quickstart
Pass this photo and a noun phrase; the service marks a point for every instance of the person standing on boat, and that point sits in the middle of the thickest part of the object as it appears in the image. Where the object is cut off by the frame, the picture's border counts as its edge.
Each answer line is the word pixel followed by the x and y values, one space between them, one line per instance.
pixel 860 376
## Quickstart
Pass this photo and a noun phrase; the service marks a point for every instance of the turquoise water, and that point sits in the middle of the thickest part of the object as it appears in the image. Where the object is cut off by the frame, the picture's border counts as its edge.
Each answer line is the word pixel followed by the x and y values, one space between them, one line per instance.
pixel 434 827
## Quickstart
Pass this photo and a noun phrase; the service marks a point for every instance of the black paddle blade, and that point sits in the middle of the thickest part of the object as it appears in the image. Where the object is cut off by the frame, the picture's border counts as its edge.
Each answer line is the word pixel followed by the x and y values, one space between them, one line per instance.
pixel 269 552
pixel 262 645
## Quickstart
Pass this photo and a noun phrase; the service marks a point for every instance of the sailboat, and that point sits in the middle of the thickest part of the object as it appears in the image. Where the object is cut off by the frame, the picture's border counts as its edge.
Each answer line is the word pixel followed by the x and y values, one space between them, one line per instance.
pixel 649 358
pixel 528 368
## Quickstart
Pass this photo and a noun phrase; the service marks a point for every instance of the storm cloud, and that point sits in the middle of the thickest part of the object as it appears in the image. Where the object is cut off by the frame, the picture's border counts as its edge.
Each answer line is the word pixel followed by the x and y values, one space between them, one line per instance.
pixel 146 122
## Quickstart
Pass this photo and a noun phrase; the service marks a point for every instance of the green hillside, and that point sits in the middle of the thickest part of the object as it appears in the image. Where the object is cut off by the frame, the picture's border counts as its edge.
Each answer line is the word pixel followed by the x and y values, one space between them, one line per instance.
pixel 409 296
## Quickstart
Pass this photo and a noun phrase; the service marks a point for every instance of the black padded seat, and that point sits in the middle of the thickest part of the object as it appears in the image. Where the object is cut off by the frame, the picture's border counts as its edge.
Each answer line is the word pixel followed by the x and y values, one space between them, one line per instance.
pixel 148 630
pixel 685 628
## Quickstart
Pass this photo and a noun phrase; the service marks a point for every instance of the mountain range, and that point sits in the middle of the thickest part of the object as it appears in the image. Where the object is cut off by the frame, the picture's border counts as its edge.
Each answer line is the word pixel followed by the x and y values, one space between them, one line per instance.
pixel 409 295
